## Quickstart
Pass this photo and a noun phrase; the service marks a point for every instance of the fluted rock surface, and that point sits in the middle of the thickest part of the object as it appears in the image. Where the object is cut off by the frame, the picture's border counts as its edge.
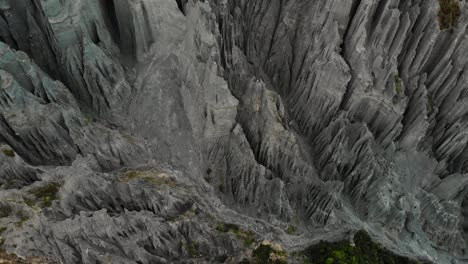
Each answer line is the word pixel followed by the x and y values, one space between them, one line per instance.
pixel 132 131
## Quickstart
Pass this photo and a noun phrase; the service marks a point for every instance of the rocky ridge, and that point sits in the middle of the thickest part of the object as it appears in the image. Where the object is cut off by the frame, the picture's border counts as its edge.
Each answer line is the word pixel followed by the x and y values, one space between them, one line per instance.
pixel 131 129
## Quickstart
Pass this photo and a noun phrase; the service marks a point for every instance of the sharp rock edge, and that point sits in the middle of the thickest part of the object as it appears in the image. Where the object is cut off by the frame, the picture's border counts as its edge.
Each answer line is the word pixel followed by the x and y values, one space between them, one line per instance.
pixel 160 119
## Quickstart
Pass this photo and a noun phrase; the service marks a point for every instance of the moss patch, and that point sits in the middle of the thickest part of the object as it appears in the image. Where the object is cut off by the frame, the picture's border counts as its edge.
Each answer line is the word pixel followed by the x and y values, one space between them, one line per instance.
pixel 449 14
pixel 8 152
pixel 291 230
pixel 245 235
pixel 430 104
pixel 5 211
pixel 44 195
pixel 364 251
pixel 398 85
pixel 208 179
pixel 187 215
pixel 268 253
pixel 153 177
pixel 23 219
pixel 221 187
pixel 193 249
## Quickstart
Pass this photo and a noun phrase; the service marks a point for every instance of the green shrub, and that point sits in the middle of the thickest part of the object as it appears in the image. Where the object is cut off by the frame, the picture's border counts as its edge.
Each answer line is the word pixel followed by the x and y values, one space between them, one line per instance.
pixel 193 250
pixel 430 104
pixel 5 211
pixel 208 179
pixel 245 261
pixel 153 177
pixel 267 253
pixel 221 187
pixel 46 194
pixel 24 217
pixel 291 230
pixel 364 251
pixel 398 85
pixel 262 253
pixel 245 235
pixel 8 152
pixel 449 13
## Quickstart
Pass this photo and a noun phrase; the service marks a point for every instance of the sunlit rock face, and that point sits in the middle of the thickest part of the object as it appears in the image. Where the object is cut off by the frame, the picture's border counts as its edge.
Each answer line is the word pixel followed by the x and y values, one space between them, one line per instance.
pixel 135 131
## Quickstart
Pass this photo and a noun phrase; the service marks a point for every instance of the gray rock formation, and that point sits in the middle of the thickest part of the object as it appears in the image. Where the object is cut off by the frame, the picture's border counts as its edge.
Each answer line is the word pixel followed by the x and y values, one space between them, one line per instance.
pixel 130 130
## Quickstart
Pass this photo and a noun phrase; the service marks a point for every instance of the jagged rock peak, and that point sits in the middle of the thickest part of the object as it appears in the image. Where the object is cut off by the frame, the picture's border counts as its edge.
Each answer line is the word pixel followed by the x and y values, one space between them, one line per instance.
pixel 186 131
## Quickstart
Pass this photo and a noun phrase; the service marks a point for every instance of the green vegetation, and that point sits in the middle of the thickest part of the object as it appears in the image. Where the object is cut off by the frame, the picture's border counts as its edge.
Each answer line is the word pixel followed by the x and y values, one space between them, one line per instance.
pixel 7 185
pixel 153 177
pixel 193 249
pixel 208 175
pixel 430 104
pixel 268 253
pixel 189 214
pixel 29 202
pixel 245 235
pixel 2 229
pixel 449 14
pixel 221 184
pixel 8 152
pixel 208 179
pixel 45 194
pixel 291 230
pixel 225 227
pixel 365 251
pixel 23 218
pixel 128 137
pixel 5 211
pixel 398 85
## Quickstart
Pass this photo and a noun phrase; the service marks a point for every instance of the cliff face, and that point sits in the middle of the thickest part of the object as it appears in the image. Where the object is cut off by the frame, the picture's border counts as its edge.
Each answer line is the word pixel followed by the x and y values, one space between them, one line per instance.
pixel 131 129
